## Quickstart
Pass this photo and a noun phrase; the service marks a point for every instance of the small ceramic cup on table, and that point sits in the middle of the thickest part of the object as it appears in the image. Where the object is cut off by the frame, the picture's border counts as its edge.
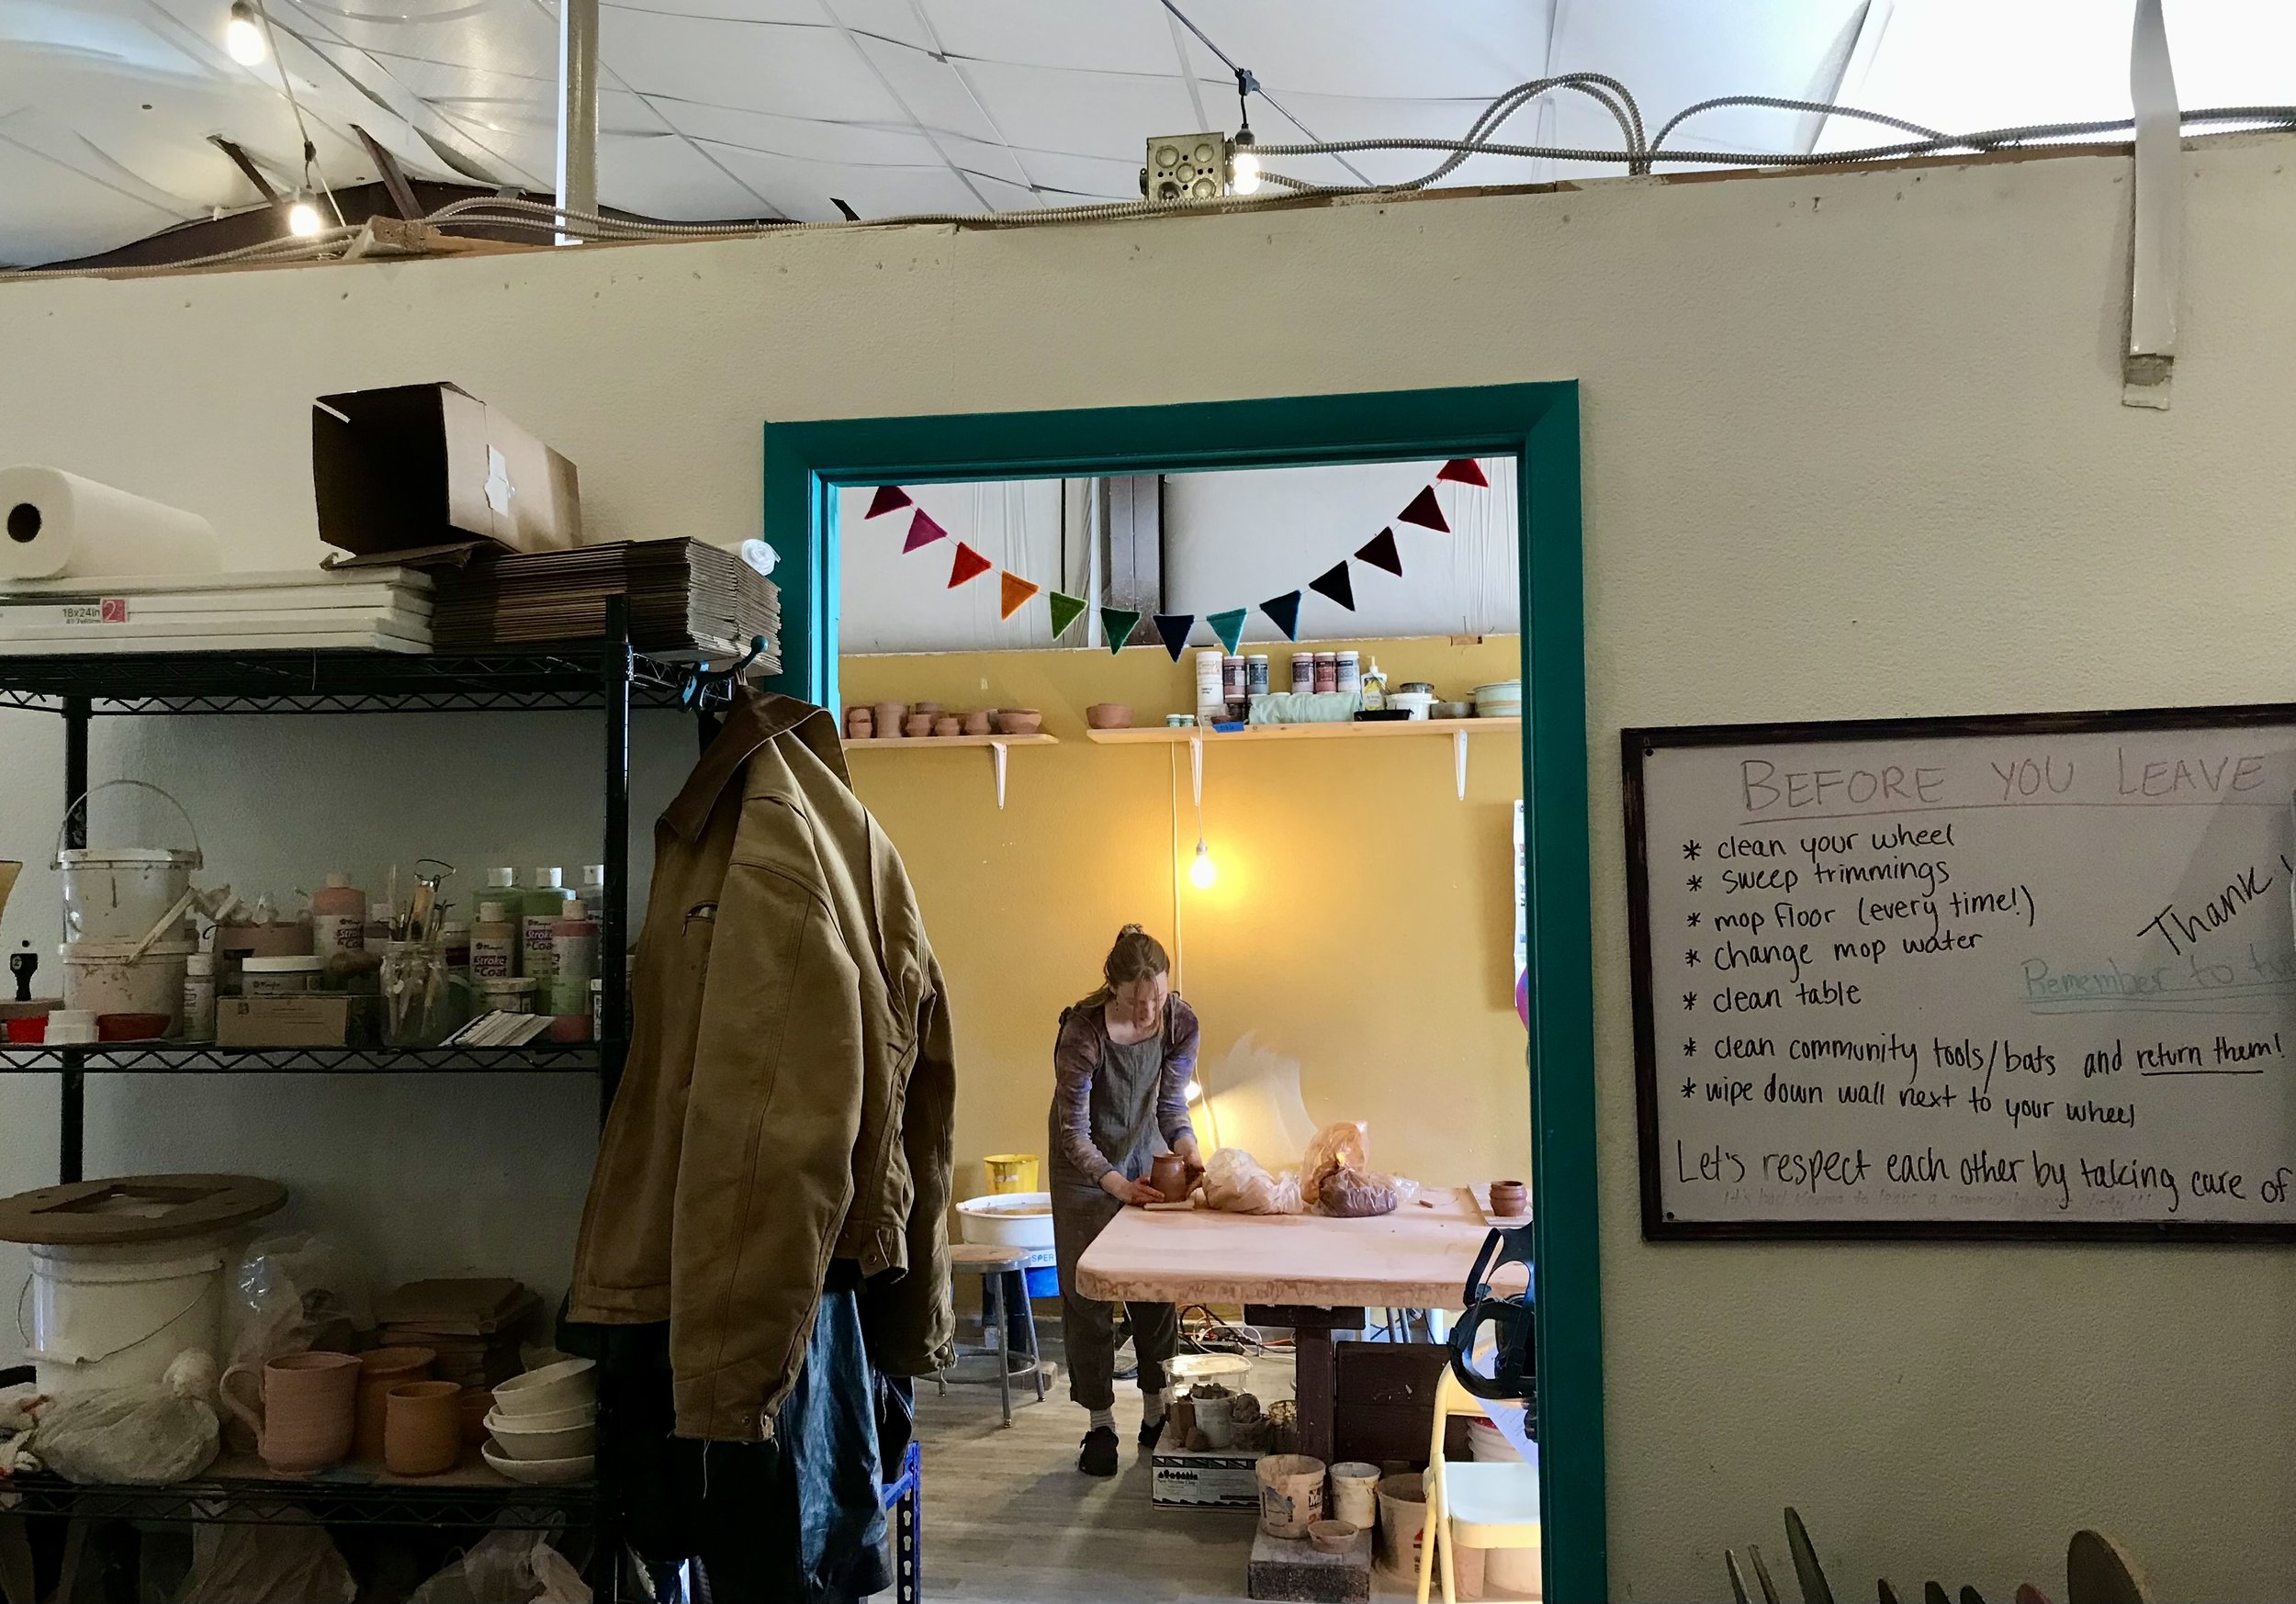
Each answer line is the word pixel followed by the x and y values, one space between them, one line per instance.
pixel 380 1369
pixel 422 1428
pixel 310 1402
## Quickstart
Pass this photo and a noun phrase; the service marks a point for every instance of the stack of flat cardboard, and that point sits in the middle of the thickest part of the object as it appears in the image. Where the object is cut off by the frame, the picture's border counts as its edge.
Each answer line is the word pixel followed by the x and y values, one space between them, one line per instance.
pixel 688 600
pixel 385 609
pixel 473 1324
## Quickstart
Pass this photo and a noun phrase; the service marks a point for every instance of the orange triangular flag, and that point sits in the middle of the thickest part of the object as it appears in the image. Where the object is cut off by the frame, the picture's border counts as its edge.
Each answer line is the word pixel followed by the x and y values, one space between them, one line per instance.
pixel 970 564
pixel 1017 592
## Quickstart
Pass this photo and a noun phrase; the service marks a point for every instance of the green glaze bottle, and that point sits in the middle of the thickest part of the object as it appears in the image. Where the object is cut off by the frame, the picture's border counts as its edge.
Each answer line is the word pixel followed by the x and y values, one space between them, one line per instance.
pixel 544 904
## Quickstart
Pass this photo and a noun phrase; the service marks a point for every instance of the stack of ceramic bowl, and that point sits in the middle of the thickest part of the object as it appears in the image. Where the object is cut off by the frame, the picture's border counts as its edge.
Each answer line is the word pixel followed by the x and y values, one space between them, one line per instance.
pixel 1501 701
pixel 544 1427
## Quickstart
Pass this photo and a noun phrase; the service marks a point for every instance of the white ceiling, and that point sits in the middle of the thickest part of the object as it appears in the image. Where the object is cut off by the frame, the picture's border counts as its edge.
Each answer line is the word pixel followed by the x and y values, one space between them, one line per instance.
pixel 737 109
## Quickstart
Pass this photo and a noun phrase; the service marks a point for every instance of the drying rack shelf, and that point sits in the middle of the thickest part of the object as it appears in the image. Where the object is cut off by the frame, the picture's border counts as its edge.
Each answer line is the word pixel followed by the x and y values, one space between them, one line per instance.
pixel 557 679
pixel 182 1059
pixel 238 1492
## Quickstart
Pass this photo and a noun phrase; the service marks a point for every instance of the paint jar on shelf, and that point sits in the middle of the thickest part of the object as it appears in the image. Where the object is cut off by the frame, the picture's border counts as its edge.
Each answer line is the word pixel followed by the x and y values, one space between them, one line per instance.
pixel 1255 674
pixel 1302 673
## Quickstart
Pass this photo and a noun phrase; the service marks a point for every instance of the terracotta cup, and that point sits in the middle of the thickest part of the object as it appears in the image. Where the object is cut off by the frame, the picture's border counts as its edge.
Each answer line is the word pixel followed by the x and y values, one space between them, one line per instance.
pixel 917 724
pixel 976 722
pixel 476 1404
pixel 308 1405
pixel 887 719
pixel 380 1369
pixel 1168 1175
pixel 947 724
pixel 422 1427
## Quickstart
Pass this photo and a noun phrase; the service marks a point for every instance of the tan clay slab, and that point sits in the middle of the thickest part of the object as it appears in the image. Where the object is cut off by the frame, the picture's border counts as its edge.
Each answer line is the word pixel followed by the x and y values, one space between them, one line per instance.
pixel 1415 1258
pixel 137 1208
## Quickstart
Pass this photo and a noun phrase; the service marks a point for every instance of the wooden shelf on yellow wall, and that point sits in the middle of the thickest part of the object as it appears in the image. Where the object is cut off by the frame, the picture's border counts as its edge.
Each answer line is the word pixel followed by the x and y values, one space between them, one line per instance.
pixel 996 744
pixel 1198 738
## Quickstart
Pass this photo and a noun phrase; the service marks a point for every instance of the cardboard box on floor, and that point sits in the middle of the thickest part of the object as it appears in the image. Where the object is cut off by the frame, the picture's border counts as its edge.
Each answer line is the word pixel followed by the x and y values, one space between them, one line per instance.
pixel 431 468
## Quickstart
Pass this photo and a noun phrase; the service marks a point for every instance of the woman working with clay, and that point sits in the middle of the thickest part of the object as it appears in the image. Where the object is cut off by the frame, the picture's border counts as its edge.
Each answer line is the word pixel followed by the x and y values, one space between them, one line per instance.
pixel 1121 1069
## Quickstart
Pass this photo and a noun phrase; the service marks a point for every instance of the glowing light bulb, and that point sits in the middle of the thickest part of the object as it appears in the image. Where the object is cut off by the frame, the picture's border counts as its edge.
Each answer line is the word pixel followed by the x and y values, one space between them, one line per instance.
pixel 243 34
pixel 1195 1090
pixel 303 219
pixel 1244 173
pixel 1203 872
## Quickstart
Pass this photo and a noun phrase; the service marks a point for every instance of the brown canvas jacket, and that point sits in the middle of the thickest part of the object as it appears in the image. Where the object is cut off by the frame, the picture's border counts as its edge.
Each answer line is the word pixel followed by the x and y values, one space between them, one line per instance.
pixel 791 1088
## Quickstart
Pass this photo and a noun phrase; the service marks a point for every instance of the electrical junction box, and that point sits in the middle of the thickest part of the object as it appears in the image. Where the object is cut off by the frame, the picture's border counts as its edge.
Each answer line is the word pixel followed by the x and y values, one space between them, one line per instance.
pixel 1185 167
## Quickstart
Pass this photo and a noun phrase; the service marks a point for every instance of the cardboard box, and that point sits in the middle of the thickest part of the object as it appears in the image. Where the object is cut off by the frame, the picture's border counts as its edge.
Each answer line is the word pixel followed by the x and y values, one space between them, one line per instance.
pixel 429 466
pixel 312 1021
pixel 1217 1480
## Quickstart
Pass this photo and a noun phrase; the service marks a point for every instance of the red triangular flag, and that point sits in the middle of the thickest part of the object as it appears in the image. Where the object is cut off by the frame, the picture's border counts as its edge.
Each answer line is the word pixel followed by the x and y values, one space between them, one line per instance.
pixel 1017 592
pixel 1381 553
pixel 1424 511
pixel 1464 470
pixel 888 498
pixel 970 564
pixel 923 530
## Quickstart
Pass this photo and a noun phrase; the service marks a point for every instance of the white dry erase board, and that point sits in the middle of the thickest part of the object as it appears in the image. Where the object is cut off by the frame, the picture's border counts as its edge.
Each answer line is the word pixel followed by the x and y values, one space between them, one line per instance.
pixel 2029 976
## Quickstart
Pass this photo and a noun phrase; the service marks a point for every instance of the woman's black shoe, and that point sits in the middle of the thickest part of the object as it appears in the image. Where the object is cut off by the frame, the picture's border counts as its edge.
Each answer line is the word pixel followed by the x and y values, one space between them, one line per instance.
pixel 1099 1457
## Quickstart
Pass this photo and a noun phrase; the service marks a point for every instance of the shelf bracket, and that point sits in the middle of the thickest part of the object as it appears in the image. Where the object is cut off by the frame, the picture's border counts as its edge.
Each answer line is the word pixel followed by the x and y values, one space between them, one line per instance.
pixel 997 750
pixel 1196 768
pixel 1458 759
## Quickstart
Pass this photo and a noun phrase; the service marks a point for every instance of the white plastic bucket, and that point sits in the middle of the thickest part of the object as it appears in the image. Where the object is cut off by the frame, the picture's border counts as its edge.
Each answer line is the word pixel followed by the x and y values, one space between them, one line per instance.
pixel 1010 1219
pixel 118 1315
pixel 117 894
pixel 99 977
pixel 1513 1571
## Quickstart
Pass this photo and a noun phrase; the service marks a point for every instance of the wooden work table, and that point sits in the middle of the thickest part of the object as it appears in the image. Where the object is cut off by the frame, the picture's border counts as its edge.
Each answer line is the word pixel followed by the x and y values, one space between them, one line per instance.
pixel 1313 1274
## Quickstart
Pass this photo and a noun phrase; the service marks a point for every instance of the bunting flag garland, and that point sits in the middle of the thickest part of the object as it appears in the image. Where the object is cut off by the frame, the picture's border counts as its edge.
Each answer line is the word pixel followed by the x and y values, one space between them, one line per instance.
pixel 923 532
pixel 1017 591
pixel 1067 610
pixel 970 564
pixel 1381 553
pixel 1335 583
pixel 1425 512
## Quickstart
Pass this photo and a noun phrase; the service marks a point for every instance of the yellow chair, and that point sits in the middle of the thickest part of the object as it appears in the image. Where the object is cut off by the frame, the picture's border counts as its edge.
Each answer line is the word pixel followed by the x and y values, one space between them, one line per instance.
pixel 1472 1506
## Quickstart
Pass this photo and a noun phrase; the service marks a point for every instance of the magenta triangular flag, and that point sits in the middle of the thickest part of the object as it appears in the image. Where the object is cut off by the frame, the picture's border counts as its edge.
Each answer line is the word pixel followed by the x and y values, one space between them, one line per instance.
pixel 1464 470
pixel 1424 511
pixel 1334 582
pixel 1381 553
pixel 923 530
pixel 888 498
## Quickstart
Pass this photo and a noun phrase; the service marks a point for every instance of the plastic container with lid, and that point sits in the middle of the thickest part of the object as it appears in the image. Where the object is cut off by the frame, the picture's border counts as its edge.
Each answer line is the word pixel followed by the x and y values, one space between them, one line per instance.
pixel 199 997
pixel 594 897
pixel 338 916
pixel 494 944
pixel 506 996
pixel 279 977
pixel 69 1026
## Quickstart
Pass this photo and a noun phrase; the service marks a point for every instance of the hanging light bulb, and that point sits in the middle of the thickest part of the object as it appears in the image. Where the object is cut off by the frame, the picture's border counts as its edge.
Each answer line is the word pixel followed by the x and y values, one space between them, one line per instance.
pixel 1243 165
pixel 1203 872
pixel 303 219
pixel 243 34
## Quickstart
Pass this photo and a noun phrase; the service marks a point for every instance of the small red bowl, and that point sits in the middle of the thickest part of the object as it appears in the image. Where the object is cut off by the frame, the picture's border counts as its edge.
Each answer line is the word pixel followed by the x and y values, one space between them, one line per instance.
pixel 27 1031
pixel 130 1026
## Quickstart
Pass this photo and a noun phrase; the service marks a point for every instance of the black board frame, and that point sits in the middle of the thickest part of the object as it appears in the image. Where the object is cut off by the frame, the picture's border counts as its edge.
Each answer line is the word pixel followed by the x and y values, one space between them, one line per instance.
pixel 1637 744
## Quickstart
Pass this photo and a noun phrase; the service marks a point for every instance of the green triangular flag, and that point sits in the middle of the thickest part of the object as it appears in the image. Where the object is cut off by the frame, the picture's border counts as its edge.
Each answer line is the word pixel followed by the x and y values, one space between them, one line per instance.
pixel 1067 610
pixel 1229 627
pixel 1118 624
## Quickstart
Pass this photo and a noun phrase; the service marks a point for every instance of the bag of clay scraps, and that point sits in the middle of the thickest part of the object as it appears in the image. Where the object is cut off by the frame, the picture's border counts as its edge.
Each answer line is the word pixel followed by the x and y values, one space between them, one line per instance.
pixel 146 1435
pixel 1338 1179
pixel 1235 1182
pixel 507 1567
pixel 1344 1145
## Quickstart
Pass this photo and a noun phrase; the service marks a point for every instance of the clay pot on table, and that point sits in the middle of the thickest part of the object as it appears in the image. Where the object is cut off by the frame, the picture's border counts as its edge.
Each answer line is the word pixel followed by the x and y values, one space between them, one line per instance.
pixel 380 1369
pixel 422 1427
pixel 308 1405
pixel 1168 1175
pixel 885 719
pixel 1509 1200
pixel 948 725
pixel 976 723
pixel 1018 721
pixel 918 725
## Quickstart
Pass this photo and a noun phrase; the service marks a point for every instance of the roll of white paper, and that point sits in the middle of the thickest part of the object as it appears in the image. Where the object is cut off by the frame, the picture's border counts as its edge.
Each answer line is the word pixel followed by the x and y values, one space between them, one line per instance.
pixel 54 524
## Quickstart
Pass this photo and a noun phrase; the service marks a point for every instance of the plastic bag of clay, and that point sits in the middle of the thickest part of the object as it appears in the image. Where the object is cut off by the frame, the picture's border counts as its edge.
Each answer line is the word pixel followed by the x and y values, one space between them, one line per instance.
pixel 144 1436
pixel 1340 1145
pixel 294 1292
pixel 285 1562
pixel 1352 1193
pixel 506 1568
pixel 1233 1181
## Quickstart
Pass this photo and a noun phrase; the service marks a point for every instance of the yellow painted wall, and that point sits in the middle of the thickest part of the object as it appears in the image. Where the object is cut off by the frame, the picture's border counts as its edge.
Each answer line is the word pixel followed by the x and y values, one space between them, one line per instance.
pixel 1363 921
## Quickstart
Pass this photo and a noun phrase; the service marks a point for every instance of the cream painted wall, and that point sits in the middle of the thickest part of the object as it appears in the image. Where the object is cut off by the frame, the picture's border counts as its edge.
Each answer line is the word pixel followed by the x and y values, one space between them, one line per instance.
pixel 1854 447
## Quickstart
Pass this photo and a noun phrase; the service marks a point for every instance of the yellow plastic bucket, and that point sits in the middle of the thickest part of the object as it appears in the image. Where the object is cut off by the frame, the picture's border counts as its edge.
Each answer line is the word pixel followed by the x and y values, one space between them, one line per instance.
pixel 1010 1172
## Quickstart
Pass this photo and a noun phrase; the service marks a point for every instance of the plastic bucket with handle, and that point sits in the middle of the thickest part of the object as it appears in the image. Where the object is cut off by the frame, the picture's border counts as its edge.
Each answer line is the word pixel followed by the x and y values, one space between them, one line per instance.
pixel 118 1314
pixel 1010 1172
pixel 117 894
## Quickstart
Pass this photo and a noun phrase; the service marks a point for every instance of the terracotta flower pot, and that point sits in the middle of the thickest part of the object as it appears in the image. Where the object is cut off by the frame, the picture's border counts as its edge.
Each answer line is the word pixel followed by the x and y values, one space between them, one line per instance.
pixel 380 1369
pixel 309 1402
pixel 422 1428
pixel 1020 720
pixel 918 725
pixel 948 725
pixel 976 723
pixel 1108 716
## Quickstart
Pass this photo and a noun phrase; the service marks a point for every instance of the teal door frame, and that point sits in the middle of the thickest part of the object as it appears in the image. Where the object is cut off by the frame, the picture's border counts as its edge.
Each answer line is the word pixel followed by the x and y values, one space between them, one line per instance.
pixel 1537 424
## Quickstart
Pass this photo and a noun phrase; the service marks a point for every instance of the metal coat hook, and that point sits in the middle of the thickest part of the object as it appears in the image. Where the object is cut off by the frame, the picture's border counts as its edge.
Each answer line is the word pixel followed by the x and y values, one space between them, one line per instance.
pixel 707 682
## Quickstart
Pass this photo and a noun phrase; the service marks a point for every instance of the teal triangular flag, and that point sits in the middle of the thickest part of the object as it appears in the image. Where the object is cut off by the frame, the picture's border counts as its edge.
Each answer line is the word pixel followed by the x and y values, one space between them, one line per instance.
pixel 1284 612
pixel 1172 628
pixel 1228 626
pixel 1067 610
pixel 1118 624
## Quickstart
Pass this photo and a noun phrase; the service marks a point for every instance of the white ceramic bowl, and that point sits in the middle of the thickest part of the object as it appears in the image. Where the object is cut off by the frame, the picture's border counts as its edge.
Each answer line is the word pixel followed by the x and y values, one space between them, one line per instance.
pixel 563 1444
pixel 540 1473
pixel 554 1420
pixel 566 1385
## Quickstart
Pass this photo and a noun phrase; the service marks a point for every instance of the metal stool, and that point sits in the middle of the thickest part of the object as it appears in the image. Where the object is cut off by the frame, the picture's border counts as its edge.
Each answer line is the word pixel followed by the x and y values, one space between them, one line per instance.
pixel 992 1264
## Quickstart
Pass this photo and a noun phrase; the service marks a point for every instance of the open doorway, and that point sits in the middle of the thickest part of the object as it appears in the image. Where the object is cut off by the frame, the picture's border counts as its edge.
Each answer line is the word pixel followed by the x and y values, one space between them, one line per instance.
pixel 1534 429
